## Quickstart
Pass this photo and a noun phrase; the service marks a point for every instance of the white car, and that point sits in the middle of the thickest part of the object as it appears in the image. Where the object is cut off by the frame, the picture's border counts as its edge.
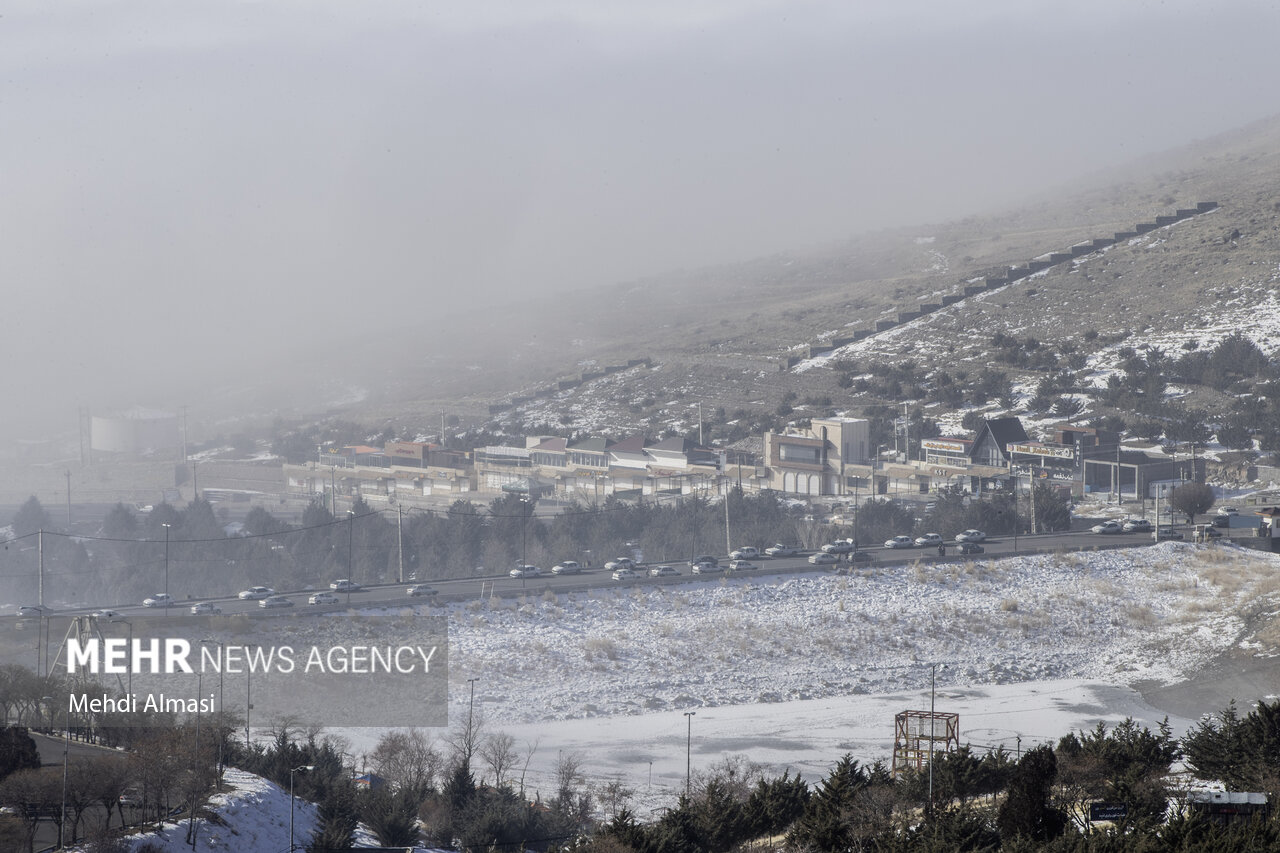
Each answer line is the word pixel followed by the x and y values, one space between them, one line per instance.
pixel 323 598
pixel 1228 510
pixel 32 610
pixel 344 585
pixel 707 568
pixel 160 599
pixel 971 535
pixel 525 572
pixel 275 601
pixel 420 589
pixel 205 608
pixel 624 574
pixel 256 593
pixel 568 567
pixel 1136 525
pixel 840 546
pixel 620 563
pixel 704 560
pixel 662 572
pixel 781 550
pixel 1108 527
pixel 740 565
pixel 822 558
pixel 107 616
pixel 929 539
pixel 747 552
pixel 899 542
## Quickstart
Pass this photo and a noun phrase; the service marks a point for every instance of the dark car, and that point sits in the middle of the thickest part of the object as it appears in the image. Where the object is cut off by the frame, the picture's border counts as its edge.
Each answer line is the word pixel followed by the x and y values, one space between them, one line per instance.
pixel 970 548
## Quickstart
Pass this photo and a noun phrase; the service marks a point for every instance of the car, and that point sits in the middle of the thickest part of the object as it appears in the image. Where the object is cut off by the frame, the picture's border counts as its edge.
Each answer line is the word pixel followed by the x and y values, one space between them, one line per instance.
pixel 1108 527
pixel 568 567
pixel 740 565
pixel 131 798
pixel 971 535
pixel 32 610
pixel 160 599
pixel 929 540
pixel 705 559
pixel 624 574
pixel 256 593
pixel 420 589
pixel 839 546
pixel 205 608
pixel 275 601
pixel 1136 525
pixel 1162 533
pixel 323 598
pixel 345 585
pixel 822 558
pixel 1227 510
pixel 899 542
pixel 525 572
pixel 746 552
pixel 662 572
pixel 620 563
pixel 1221 521
pixel 970 548
pixel 107 616
pixel 707 568
pixel 781 550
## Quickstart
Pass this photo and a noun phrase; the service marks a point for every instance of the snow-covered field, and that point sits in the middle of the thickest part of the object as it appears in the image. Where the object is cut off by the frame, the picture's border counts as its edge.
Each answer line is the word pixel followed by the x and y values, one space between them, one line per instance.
pixel 794 671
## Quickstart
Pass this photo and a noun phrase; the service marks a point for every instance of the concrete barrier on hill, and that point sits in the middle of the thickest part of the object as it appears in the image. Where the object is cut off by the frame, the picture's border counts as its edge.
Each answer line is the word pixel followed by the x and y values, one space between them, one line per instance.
pixel 1037 265
pixel 1164 220
pixel 1103 242
pixel 885 325
pixel 1206 206
pixel 951 299
pixel 930 307
pixel 907 316
pixel 973 289
pixel 1125 235
pixel 1081 249
pixel 1145 227
pixel 861 334
pixel 1059 257
pixel 992 282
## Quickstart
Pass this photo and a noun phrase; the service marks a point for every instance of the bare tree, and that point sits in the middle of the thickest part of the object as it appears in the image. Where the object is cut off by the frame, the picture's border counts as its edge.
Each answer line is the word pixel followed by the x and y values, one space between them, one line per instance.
pixel 408 758
pixel 614 796
pixel 499 753
pixel 530 748
pixel 465 738
pixel 35 794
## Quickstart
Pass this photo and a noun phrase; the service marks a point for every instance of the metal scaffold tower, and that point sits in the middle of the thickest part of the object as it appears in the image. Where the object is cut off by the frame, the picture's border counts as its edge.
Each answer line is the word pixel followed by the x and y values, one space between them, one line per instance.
pixel 919 735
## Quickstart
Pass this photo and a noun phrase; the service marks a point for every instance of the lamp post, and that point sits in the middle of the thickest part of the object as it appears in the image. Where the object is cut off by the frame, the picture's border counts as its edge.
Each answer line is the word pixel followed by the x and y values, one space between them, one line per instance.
pixel 221 736
pixel 351 517
pixel 166 558
pixel 248 699
pixel 130 689
pixel 688 752
pixel 293 770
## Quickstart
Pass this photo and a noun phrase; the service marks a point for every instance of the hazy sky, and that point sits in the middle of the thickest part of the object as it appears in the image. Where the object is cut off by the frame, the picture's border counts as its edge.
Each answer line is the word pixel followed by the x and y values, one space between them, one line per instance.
pixel 178 175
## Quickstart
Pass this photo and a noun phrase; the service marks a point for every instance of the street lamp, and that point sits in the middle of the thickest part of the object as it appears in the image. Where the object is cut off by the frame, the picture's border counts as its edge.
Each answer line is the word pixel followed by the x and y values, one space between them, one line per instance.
pixel 292 770
pixel 221 665
pixel 351 517
pixel 166 558
pixel 688 752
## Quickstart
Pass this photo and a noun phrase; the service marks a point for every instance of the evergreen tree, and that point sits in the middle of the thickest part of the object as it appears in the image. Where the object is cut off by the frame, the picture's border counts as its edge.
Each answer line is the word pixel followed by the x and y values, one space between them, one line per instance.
pixel 1025 811
pixel 17 751
pixel 338 820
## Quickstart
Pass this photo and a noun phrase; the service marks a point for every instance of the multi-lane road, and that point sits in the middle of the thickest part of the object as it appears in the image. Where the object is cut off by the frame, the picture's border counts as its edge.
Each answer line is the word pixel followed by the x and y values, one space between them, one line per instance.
pixel 598 577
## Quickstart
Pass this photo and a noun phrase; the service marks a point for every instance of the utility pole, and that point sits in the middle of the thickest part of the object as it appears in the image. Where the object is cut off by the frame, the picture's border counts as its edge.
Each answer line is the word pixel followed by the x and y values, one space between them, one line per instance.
pixel 688 753
pixel 933 692
pixel 40 554
pixel 400 537
pixel 728 543
pixel 1032 493
pixel 68 500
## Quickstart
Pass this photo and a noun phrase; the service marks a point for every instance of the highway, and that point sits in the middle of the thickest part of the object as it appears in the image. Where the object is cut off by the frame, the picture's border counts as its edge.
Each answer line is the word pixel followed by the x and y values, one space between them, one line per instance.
pixel 594 578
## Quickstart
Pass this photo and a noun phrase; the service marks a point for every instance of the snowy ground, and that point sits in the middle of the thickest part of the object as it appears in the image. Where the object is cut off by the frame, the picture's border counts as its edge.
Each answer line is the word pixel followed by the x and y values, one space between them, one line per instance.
pixel 794 671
